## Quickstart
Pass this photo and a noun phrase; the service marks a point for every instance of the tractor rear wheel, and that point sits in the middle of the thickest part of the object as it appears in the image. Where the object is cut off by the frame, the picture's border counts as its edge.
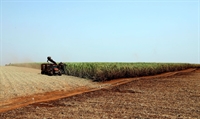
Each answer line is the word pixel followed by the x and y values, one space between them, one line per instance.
pixel 42 72
pixel 60 74
pixel 50 73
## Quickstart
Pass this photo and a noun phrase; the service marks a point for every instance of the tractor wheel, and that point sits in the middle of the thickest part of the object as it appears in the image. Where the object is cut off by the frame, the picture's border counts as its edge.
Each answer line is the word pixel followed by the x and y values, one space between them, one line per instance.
pixel 50 73
pixel 60 74
pixel 42 72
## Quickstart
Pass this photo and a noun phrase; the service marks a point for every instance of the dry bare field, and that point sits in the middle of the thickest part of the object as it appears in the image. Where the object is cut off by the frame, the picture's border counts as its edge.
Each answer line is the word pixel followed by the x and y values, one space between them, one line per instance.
pixel 20 82
pixel 161 96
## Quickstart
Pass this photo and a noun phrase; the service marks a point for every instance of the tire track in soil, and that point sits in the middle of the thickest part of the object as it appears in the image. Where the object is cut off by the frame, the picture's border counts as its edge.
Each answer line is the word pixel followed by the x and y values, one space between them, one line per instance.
pixel 52 92
pixel 19 84
pixel 3 85
pixel 12 86
pixel 30 88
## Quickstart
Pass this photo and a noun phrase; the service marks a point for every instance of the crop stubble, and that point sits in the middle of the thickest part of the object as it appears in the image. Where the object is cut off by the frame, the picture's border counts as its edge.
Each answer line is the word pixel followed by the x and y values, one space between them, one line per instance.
pixel 19 81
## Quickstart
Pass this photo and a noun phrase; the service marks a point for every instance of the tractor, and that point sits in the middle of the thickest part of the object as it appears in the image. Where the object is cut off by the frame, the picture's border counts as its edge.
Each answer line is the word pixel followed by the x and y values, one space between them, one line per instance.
pixel 53 68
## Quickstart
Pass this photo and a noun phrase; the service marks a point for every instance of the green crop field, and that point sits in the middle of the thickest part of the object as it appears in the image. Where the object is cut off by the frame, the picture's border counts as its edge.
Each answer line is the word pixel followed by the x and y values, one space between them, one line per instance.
pixel 102 71
pixel 108 71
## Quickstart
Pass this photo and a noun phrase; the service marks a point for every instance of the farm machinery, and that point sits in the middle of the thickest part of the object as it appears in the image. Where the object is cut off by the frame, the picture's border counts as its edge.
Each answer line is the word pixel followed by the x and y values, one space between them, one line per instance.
pixel 53 68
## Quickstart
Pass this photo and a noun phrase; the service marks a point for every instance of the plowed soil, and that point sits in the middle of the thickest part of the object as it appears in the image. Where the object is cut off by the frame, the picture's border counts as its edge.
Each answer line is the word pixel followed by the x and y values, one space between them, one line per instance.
pixel 169 95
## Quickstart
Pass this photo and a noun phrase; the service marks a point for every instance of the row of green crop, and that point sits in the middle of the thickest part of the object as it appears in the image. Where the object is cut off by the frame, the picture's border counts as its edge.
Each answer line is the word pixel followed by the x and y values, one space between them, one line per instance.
pixel 106 71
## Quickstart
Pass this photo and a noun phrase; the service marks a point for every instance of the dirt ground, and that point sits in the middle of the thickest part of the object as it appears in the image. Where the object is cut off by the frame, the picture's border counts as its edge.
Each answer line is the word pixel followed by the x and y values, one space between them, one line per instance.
pixel 172 95
pixel 20 86
pixel 21 81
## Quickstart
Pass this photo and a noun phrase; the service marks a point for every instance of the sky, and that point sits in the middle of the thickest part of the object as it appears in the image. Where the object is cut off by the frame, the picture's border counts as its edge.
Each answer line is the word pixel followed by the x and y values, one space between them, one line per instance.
pixel 100 31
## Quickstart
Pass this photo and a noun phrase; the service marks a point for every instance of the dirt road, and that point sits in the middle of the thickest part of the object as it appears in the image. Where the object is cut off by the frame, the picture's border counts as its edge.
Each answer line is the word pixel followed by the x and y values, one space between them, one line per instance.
pixel 144 97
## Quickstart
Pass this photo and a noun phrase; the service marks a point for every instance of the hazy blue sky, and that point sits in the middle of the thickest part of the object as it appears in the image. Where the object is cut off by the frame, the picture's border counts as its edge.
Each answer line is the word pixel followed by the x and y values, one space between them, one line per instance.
pixel 100 31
